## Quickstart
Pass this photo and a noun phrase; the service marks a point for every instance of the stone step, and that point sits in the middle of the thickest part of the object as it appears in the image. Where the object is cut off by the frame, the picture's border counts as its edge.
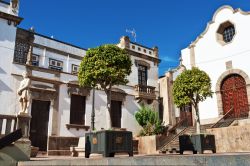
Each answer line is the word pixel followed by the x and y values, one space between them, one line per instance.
pixel 59 153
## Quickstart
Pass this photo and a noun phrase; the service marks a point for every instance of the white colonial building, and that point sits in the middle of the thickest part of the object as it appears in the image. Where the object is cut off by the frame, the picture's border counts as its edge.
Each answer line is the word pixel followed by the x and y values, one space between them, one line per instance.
pixel 222 51
pixel 60 109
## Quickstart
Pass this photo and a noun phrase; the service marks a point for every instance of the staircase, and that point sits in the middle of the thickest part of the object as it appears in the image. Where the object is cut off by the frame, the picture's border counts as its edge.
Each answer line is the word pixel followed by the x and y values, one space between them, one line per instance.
pixel 224 123
pixel 226 120
pixel 173 143
pixel 170 141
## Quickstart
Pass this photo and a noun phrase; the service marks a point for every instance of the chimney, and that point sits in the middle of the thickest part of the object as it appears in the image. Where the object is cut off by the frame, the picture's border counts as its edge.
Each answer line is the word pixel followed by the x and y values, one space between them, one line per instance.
pixel 124 42
pixel 155 52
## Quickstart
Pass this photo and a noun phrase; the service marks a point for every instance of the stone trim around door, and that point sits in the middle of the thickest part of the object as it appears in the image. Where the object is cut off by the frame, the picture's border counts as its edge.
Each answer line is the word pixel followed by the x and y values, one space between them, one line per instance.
pixel 74 88
pixel 218 85
pixel 142 62
pixel 118 95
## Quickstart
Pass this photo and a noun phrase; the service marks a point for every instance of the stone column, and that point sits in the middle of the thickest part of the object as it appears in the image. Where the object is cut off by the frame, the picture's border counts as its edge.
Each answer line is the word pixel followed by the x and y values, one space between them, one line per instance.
pixel 24 144
pixel 31 39
pixel 192 55
pixel 23 122
pixel 55 105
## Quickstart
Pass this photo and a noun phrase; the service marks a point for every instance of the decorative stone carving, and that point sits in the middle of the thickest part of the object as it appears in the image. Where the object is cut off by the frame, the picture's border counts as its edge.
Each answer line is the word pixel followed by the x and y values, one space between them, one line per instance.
pixel 15 5
pixel 74 88
pixel 43 94
pixel 23 92
pixel 118 95
pixel 141 62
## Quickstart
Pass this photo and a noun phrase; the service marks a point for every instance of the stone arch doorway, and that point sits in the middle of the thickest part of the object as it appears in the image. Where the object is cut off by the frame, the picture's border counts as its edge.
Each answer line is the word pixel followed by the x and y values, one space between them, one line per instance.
pixel 234 95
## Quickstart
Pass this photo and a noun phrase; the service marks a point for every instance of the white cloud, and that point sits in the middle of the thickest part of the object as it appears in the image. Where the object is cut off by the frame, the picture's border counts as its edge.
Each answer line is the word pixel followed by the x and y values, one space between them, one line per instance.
pixel 169 59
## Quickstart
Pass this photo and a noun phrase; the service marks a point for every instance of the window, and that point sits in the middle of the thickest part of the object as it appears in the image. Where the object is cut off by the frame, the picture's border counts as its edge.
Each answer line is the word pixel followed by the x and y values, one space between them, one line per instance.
pixel 133 47
pixel 145 51
pixel 35 60
pixel 150 52
pixel 142 75
pixel 225 33
pixel 139 49
pixel 116 110
pixel 74 69
pixel 228 34
pixel 55 64
pixel 77 109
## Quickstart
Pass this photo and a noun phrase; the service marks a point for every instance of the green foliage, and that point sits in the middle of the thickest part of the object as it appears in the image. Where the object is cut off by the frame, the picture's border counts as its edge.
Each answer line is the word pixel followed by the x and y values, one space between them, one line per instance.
pixel 191 86
pixel 149 120
pixel 105 65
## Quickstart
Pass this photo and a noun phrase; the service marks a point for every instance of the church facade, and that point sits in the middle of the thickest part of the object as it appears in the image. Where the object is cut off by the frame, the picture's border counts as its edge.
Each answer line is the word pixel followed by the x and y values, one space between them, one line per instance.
pixel 60 109
pixel 222 51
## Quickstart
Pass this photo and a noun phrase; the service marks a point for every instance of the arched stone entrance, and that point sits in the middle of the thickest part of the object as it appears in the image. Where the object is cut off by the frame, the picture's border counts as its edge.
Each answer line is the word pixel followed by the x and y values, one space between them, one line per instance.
pixel 234 95
pixel 233 89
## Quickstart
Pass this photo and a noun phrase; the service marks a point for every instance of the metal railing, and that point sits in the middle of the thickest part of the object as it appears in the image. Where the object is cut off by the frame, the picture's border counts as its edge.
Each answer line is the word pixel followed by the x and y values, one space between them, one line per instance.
pixel 228 115
pixel 171 135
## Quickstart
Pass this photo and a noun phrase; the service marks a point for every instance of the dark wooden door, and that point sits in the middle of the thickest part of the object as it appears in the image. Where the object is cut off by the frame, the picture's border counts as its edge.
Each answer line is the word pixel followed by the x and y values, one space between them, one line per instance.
pixel 116 113
pixel 39 124
pixel 186 114
pixel 234 95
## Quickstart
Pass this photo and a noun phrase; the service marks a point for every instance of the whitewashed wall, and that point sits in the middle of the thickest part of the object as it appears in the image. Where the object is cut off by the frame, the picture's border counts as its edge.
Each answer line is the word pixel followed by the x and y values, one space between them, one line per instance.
pixel 7 81
pixel 211 56
pixel 152 74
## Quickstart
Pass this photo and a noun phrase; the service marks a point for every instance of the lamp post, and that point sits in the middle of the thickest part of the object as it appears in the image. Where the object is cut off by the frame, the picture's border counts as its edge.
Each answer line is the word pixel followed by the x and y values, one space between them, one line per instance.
pixel 93 111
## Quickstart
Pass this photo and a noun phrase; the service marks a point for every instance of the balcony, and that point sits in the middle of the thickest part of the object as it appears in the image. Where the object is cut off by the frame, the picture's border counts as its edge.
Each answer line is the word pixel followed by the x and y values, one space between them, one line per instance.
pixel 145 92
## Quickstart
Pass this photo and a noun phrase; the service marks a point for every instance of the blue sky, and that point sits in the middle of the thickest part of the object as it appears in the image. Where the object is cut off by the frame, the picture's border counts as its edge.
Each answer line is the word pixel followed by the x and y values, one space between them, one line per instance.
pixel 169 24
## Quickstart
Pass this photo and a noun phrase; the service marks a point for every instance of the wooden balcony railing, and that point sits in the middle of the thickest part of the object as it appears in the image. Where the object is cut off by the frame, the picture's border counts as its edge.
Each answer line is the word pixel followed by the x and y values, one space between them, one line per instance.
pixel 7 124
pixel 146 92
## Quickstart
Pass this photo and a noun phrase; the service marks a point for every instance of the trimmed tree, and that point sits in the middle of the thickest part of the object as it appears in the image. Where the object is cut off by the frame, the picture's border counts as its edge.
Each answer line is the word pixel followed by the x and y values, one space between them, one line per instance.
pixel 103 67
pixel 192 86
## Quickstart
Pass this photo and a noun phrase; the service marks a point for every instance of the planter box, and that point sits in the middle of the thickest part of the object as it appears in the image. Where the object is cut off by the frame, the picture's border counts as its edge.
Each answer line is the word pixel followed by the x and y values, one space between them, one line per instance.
pixel 108 143
pixel 197 143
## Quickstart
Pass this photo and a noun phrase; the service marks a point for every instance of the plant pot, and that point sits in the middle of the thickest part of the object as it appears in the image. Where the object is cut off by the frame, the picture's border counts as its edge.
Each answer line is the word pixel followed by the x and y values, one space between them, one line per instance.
pixel 108 143
pixel 34 151
pixel 197 143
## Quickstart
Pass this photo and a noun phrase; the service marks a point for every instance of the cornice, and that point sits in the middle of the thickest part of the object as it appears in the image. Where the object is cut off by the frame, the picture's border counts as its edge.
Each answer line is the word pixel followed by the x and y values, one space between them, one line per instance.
pixel 17 20
pixel 213 21
pixel 146 57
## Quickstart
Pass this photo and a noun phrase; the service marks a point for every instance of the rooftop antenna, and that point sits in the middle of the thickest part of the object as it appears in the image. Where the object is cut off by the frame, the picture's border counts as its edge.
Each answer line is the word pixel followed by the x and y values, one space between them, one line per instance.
pixel 132 32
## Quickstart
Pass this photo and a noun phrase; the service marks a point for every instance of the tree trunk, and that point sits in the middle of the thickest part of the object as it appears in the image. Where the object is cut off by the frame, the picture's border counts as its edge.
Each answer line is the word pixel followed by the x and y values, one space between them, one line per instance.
pixel 109 121
pixel 198 126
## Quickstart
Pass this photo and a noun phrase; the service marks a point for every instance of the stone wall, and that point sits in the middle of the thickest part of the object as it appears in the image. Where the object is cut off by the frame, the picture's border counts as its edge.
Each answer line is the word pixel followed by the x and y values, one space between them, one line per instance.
pixel 61 145
pixel 231 139
pixel 147 145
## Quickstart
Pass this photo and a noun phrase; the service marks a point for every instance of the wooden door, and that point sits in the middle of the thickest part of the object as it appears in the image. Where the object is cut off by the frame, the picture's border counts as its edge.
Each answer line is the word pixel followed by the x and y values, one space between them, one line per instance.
pixel 234 95
pixel 116 113
pixel 186 113
pixel 39 124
